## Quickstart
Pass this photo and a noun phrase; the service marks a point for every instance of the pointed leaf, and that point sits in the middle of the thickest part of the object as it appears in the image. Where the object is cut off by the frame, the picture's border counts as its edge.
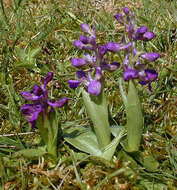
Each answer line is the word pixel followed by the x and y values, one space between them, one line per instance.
pixel 96 107
pixel 83 139
pixel 116 129
pixel 31 153
pixel 134 119
pixel 11 142
pixel 109 150
pixel 34 52
pixel 149 161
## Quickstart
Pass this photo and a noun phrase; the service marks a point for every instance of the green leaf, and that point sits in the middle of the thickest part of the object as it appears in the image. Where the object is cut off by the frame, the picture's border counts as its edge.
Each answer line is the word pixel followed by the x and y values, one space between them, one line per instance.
pixel 146 184
pixel 127 158
pixel 7 150
pixel 116 129
pixel 27 58
pixel 96 107
pixel 31 153
pixel 11 142
pixel 134 119
pixel 149 161
pixel 85 140
pixel 48 129
pixel 109 150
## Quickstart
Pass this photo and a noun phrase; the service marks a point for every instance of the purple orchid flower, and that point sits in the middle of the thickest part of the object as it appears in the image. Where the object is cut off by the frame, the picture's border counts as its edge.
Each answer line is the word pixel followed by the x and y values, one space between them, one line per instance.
pixel 132 66
pixel 94 85
pixel 41 104
pixel 94 57
pixel 142 33
pixel 149 76
pixel 138 70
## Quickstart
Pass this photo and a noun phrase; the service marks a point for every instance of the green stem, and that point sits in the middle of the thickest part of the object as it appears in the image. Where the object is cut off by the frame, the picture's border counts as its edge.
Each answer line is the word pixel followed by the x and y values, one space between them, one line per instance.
pixel 96 107
pixel 49 133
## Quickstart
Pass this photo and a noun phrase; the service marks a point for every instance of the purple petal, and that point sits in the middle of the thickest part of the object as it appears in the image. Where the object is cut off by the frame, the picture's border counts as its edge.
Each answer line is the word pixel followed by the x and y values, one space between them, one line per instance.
pixel 78 44
pixel 126 10
pixel 78 62
pixel 37 90
pixel 83 39
pixel 112 46
pixel 85 27
pixel 33 124
pixel 151 56
pixel 47 79
pixel 58 104
pixel 130 29
pixel 149 87
pixel 130 74
pixel 89 59
pixel 31 111
pixel 105 66
pixel 92 40
pixel 148 36
pixel 135 51
pixel 102 51
pixel 110 67
pixel 30 97
pixel 141 30
pixel 125 63
pixel 125 46
pixel 94 87
pixel 143 82
pixel 151 74
pixel 81 74
pixel 99 74
pixel 119 18
pixel 73 83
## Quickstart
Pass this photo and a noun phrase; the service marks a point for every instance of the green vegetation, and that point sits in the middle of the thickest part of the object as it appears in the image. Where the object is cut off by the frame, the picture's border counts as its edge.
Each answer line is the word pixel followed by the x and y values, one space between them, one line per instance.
pixel 37 37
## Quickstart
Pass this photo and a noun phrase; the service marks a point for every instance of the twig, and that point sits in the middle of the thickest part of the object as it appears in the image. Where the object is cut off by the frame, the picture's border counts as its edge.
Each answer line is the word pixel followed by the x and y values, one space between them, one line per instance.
pixel 6 146
pixel 18 134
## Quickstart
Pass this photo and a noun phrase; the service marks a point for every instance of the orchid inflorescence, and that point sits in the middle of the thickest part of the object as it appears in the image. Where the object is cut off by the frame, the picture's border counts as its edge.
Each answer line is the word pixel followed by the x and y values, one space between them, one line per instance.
pixel 94 57
pixel 132 66
pixel 41 103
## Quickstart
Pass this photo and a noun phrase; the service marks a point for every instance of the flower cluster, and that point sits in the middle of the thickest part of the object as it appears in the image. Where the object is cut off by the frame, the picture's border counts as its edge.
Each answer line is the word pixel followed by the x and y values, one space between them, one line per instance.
pixel 94 57
pixel 132 66
pixel 41 104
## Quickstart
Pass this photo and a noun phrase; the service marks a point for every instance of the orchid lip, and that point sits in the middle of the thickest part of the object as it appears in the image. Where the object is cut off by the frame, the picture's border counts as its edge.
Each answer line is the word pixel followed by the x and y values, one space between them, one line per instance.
pixel 130 74
pixel 94 88
pixel 73 83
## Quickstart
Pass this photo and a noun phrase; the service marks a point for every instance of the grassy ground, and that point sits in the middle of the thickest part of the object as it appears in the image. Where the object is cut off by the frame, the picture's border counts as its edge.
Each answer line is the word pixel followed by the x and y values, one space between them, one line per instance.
pixel 36 37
